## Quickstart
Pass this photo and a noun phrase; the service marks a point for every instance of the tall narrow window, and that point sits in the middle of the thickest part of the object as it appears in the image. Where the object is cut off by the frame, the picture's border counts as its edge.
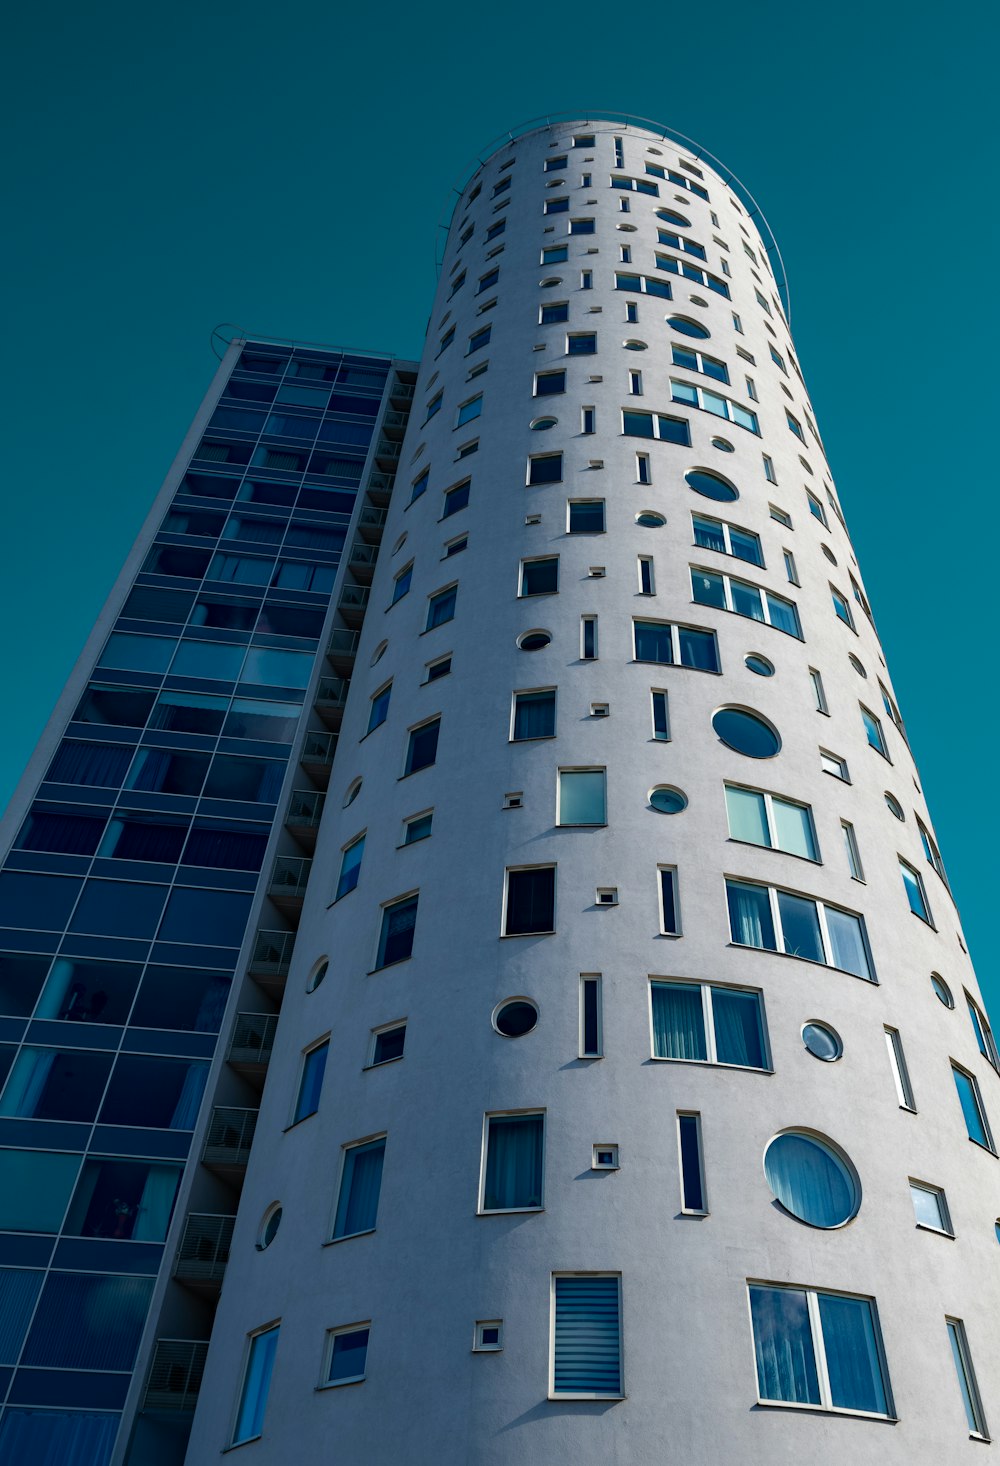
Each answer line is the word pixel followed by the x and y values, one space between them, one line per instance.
pixel 586 1336
pixel 819 693
pixel 531 901
pixel 401 583
pixel 646 585
pixel 974 1414
pixel 360 1184
pixel 913 885
pixel 984 1033
pixel 311 1083
pixel 769 473
pixel 819 1349
pixel 591 1025
pixel 350 867
pixel 971 1100
pixel 853 854
pixel 694 1200
pixel 379 709
pixel 588 638
pixel 588 420
pixel 512 1163
pixel 399 920
pixel 642 469
pixel 661 715
pixel 631 312
pixel 900 1073
pixel 873 731
pixel 670 915
pixel 635 384
pixel 421 750
pixel 790 571
pixel 256 1384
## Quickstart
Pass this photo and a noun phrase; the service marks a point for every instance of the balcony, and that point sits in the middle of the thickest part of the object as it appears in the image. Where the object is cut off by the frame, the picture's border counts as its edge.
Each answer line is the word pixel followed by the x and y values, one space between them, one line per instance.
pixel 317 754
pixel 371 521
pixel 227 1144
pixel 362 562
pixel 342 648
pixel 331 698
pixel 402 391
pixel 269 961
pixel 353 604
pixel 204 1251
pixel 176 1374
pixel 380 488
pixel 287 886
pixel 302 817
pixel 251 1044
pixel 387 454
pixel 394 423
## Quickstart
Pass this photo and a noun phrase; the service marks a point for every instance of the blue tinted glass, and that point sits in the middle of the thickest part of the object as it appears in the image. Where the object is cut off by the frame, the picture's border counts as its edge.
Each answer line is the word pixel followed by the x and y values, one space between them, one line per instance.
pixel 678 1021
pixel 750 921
pixel 739 1034
pixel 349 1355
pixel 852 1355
pixel 107 1312
pixel 205 918
pixel 119 908
pixel 971 1108
pixel 746 733
pixel 786 1360
pixel 800 927
pixel 810 1180
pixel 711 485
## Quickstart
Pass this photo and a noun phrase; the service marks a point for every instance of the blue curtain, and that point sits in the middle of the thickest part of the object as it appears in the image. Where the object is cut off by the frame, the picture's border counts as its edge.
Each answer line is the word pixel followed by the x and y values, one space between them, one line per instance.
pixel 150 769
pixel 312 1081
pixel 213 1005
pixel 107 1313
pixel 102 764
pixel 786 1361
pixel 57 1437
pixel 225 849
pixel 189 1100
pixel 359 1189
pixel 678 1021
pixel 848 942
pixel 513 1162
pixel 156 1204
pixel 739 1037
pixel 852 1355
pixel 256 1384
pixel 750 921
pixel 535 715
pixel 19 1289
pixel 61 834
pixel 271 781
pixel 809 1181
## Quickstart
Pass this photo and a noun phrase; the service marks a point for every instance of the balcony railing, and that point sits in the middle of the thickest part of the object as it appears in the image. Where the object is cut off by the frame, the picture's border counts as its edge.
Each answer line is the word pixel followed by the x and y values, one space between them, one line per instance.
pixel 272 952
pixel 305 807
pixel 230 1136
pixel 204 1250
pixel 371 521
pixel 289 877
pixel 317 754
pixel 176 1374
pixel 253 1038
pixel 353 603
pixel 362 561
pixel 380 488
pixel 342 648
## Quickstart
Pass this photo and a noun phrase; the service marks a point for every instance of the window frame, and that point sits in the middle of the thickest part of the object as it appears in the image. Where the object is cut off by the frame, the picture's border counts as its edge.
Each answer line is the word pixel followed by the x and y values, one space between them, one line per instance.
pixel 316 1047
pixel 384 908
pixel 962 1355
pixel 273 1327
pixel 821 907
pixel 771 824
pixel 345 1149
pixel 705 988
pixel 574 1395
pixel 581 769
pixel 765 597
pixel 325 1383
pixel 505 911
pixel 505 1211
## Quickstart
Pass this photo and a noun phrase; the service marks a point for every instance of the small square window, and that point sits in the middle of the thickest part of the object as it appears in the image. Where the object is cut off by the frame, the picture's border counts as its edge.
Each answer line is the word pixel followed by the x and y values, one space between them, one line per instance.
pixel 605 1158
pixel 417 827
pixel 831 763
pixel 539 577
pixel 439 668
pixel 387 1044
pixel 488 1337
pixel 606 896
pixel 347 1355
pixel 514 799
pixel 930 1207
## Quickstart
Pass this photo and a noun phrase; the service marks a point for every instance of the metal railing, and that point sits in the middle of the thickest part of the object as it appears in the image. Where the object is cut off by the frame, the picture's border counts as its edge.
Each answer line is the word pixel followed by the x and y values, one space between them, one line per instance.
pixel 305 807
pixel 176 1374
pixel 253 1038
pixel 204 1248
pixel 230 1136
pixel 289 875
pixel 272 953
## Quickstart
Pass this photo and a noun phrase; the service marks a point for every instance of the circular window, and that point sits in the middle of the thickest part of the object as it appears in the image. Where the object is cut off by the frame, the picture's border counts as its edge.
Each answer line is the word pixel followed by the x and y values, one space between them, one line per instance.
pixel 829 554
pixel 533 641
pixel 688 327
pixel 697 300
pixel 746 733
pixel 634 345
pixel 941 990
pixel 857 665
pixel 894 806
pixel 673 218
pixel 723 445
pixel 811 1180
pixel 552 280
pixel 378 653
pixel 822 1041
pixel 542 424
pixel 667 800
pixel 352 791
pixel 649 519
pixel 756 663
pixel 514 1017
pixel 711 485
pixel 270 1222
pixel 399 543
pixel 317 975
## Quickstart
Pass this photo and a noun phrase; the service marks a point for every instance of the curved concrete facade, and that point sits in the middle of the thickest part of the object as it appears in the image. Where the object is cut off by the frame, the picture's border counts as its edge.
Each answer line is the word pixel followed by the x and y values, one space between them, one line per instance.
pixel 434 1266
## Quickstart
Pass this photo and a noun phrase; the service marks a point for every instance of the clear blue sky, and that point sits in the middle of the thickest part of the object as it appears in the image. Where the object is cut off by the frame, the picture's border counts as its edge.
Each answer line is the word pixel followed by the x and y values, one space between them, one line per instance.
pixel 285 168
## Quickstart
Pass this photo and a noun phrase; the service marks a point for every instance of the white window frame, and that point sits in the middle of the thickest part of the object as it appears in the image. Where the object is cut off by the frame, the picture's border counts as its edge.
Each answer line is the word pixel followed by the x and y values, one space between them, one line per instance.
pixel 827 945
pixel 819 692
pixel 708 1019
pixel 646 574
pixel 355 1379
pixel 479 1345
pixel 516 936
pixel 701 358
pixel 899 1070
pixel 522 594
pixel 675 628
pixel 771 823
pixel 985 1040
pixel 506 1211
pixel 654 693
pixel 962 1356
pixel 762 594
pixel 257 1333
pixel 670 870
pixel 588 619
pixel 946 1229
pixel 725 527
pixel 842 772
pixel 980 1107
pixel 567 1273
pixel 580 769
pixel 596 980
pixel 643 470
pixel 529 692
pixel 692 1211
pixel 731 407
pixel 655 416
pixel 374 1034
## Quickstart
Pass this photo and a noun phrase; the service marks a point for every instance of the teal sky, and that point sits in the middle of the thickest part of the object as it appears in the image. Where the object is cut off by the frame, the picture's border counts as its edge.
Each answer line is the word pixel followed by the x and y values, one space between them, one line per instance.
pixel 286 168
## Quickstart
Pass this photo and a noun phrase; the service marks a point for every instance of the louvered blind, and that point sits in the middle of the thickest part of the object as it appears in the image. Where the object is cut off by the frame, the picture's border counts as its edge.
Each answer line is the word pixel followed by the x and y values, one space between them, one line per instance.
pixel 587 1336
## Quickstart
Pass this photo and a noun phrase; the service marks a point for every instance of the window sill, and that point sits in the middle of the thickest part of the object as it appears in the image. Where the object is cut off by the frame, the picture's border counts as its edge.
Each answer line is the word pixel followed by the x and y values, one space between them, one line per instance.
pixel 776 849
pixel 386 965
pixel 709 1064
pixel 937 1231
pixel 512 936
pixel 815 1409
pixel 585 1399
pixel 795 957
pixel 382 1064
pixel 300 1121
pixel 348 1237
pixel 236 1444
pixel 510 1211
pixel 337 1384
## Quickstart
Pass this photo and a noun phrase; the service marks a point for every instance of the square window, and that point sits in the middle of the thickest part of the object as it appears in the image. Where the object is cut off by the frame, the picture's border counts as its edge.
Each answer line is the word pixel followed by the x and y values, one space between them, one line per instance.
pixel 456 498
pixel 530 901
pixel 441 606
pixel 552 314
pixel 488 1338
pixel 387 1044
pixel 582 797
pixel 417 827
pixel 347 1355
pixel 545 468
pixel 605 1158
pixel 437 669
pixel 793 1327
pixel 930 1207
pixel 534 715
pixel 586 516
pixel 468 410
pixel 540 577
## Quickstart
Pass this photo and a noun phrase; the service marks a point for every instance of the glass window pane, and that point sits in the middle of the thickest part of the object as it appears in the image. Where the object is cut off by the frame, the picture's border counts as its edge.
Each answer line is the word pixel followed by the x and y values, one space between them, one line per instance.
pixel 678 1021
pixel 311 1082
pixel 531 896
pixel 108 1314
pixel 513 1163
pixel 750 920
pixel 747 815
pixel 793 828
pixel 35 1188
pixel 968 1095
pixel 582 797
pixel 357 1207
pixel 256 1383
pixel 786 1360
pixel 800 927
pixel 852 1355
pixel 348 1356
pixel 927 1207
pixel 847 943
pixel 739 1034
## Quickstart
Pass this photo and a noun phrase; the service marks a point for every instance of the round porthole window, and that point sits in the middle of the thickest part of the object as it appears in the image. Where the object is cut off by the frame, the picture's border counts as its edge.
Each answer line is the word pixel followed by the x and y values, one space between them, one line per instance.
pixel 697 300
pixel 649 519
pixel 317 975
pixel 542 424
pixel 667 800
pixel 857 665
pixel 378 653
pixel 533 641
pixel 627 228
pixel 941 990
pixel 822 1041
pixel 515 1017
pixel 756 663
pixel 670 217
pixel 893 805
pixel 269 1225
pixel 746 733
pixel 812 1180
pixel 711 485
pixel 829 554
pixel 351 792
pixel 723 445
pixel 552 280
pixel 686 327
pixel 634 345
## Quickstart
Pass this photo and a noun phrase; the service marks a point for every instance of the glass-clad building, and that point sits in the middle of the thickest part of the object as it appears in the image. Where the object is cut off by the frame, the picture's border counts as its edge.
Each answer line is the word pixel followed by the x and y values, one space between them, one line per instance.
pixel 159 849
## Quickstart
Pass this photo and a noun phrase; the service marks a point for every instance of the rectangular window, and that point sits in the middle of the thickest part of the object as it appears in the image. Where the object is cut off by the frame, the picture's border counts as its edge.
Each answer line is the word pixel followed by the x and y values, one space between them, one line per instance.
pixel 832 763
pixel 456 498
pixel 556 206
pixel 680 242
pixel 816 509
pixel 395 942
pixel 759 818
pixel 555 254
pixel 712 402
pixel 631 313
pixel 971 1100
pixel 468 410
pixel 790 570
pixel 417 827
pixel 727 539
pixel 545 468
pixel 588 638
pixel 588 420
pixel 586 279
pixel 900 1073
pixel 582 797
pixel 684 646
pixel 534 715
pixel 643 285
pixel 818 1349
pixel 346 1355
pixel 311 1082
pixel 387 1044
pixel 379 709
pixel 581 343
pixel 794 425
pixel 726 593
pixel 551 165
pixel 530 905
pixel 670 911
pixel 586 1337
pixel 635 185
pixel 853 854
pixel 841 607
pixel 642 469
pixel 256 1384
pixel 350 867
pixel 769 473
pixel 360 1184
pixel 434 406
pixel 439 668
pixel 930 1207
pixel 479 339
pixel 694 1198
pixel 737 323
pixel 419 485
pixel 984 1033
pixel 873 731
pixel 800 926
pixel 401 583
pixel 974 1414
pixel 635 384
pixel 586 516
pixel 694 361
pixel 646 582
pixel 913 884
pixel 421 750
pixel 548 384
pixel 512 1163
pixel 551 314
pixel 661 716
pixel 709 1025
pixel 819 692
pixel 591 1025
pixel 487 281
pixel 582 226
pixel 441 607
